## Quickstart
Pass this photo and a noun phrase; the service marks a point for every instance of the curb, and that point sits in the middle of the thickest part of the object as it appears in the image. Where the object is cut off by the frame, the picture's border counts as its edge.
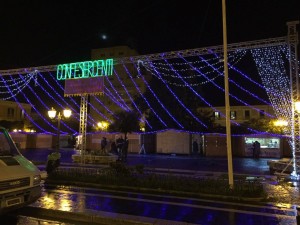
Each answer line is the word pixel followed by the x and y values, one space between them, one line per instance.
pixel 92 217
pixel 160 191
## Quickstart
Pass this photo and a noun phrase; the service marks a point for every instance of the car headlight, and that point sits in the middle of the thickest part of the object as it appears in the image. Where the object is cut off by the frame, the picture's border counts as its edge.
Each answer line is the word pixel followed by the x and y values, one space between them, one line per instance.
pixel 36 180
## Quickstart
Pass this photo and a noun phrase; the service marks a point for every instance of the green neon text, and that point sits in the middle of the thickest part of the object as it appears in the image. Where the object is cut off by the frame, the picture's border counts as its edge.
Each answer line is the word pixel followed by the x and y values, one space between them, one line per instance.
pixel 86 69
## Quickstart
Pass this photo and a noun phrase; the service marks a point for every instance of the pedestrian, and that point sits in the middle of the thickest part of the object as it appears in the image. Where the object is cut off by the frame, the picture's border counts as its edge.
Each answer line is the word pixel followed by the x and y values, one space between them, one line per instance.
pixel 103 145
pixel 195 147
pixel 113 148
pixel 124 150
pixel 256 149
pixel 119 143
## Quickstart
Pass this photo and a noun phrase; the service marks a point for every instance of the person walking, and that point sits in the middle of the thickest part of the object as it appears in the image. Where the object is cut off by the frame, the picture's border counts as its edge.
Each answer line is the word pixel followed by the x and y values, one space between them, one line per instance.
pixel 103 146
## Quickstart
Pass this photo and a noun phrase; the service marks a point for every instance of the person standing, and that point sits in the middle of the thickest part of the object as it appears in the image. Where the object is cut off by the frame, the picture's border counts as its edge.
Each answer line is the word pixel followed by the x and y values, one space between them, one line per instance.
pixel 103 145
pixel 113 148
pixel 195 147
pixel 120 142
pixel 256 149
pixel 124 150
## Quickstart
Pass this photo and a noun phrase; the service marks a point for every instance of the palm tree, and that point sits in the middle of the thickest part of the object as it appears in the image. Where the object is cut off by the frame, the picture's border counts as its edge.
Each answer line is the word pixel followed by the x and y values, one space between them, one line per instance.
pixel 126 122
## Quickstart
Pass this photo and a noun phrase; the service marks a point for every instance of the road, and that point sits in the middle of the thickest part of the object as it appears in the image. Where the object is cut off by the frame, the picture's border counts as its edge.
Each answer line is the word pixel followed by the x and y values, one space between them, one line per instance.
pixel 157 208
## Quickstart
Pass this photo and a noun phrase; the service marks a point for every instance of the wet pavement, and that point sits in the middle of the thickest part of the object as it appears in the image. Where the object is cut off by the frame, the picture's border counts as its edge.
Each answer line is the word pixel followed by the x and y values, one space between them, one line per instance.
pixel 285 195
pixel 165 208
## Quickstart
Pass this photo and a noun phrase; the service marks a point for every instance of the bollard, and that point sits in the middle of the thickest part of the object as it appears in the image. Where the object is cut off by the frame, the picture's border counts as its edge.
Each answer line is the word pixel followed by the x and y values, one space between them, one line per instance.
pixel 298 215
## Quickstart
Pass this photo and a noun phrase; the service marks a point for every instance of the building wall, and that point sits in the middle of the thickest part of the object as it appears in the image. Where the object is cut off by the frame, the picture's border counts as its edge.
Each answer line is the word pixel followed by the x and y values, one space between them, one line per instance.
pixel 255 112
pixel 10 111
pixel 94 140
pixel 29 140
pixel 173 142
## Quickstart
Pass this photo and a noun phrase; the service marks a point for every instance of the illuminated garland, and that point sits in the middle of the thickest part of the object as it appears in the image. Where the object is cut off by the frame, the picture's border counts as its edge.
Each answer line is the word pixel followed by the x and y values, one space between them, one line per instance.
pixel 271 68
pixel 161 104
pixel 166 72
pixel 46 107
pixel 131 99
pixel 15 87
pixel 141 94
pixel 236 84
pixel 269 63
pixel 124 105
pixel 176 97
pixel 21 107
pixel 67 104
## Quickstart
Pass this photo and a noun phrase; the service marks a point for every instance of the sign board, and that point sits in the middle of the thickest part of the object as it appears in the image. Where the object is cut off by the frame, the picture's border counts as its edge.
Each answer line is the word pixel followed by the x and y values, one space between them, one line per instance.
pixel 83 78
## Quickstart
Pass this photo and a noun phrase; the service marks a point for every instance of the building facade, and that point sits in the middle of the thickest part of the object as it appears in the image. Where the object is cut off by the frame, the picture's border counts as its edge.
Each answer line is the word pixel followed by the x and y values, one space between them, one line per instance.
pixel 239 114
pixel 11 112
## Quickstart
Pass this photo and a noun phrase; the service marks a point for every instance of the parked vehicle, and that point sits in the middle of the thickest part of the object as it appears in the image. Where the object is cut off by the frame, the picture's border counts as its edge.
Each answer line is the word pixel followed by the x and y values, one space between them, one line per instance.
pixel 20 179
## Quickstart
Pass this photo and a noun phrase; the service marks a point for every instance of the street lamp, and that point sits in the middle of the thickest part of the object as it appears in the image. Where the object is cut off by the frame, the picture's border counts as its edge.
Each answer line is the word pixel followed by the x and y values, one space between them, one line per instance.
pixel 103 125
pixel 280 123
pixel 142 150
pixel 54 116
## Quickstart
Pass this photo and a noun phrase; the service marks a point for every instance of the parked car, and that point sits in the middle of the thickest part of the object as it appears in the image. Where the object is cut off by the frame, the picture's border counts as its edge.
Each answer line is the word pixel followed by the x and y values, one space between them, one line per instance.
pixel 20 179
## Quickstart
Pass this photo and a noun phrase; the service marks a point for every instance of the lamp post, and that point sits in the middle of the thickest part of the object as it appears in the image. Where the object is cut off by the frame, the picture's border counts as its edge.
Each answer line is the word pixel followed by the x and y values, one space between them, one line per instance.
pixel 54 116
pixel 142 150
pixel 227 104
pixel 103 125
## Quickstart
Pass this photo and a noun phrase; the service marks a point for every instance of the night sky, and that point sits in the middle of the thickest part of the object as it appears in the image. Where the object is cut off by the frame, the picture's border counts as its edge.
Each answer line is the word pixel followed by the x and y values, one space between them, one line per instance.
pixel 39 33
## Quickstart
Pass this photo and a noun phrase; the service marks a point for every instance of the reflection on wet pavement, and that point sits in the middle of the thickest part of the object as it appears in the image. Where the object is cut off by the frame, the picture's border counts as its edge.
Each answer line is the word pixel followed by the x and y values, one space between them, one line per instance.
pixel 196 211
pixel 24 220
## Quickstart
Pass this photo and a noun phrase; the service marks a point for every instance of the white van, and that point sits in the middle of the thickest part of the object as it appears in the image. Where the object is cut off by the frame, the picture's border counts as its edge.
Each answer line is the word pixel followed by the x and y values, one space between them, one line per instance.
pixel 20 179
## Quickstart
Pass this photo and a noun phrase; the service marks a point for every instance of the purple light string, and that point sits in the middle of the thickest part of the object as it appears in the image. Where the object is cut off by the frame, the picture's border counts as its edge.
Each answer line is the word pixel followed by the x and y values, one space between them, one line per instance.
pixel 113 98
pixel 222 89
pixel 238 124
pixel 175 96
pixel 122 84
pixel 117 93
pixel 43 103
pixel 232 81
pixel 78 116
pixel 141 94
pixel 161 104
pixel 190 87
pixel 21 107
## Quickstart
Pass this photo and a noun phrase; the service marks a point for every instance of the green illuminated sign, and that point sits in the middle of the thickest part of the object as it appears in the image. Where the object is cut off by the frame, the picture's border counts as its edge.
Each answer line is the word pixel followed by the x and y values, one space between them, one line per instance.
pixel 86 69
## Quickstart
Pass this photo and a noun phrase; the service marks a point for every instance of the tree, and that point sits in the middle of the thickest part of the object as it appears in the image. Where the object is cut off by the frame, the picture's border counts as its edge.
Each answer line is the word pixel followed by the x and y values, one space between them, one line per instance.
pixel 126 122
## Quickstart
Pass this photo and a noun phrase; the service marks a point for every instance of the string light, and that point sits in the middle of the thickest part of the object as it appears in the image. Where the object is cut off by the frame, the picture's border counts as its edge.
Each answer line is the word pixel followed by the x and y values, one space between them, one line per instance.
pixel 176 97
pixel 160 103
pixel 132 101
pixel 182 73
pixel 21 107
pixel 141 94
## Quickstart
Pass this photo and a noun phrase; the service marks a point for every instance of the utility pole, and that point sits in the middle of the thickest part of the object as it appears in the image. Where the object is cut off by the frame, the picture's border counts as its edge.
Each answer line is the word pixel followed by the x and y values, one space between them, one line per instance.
pixel 227 105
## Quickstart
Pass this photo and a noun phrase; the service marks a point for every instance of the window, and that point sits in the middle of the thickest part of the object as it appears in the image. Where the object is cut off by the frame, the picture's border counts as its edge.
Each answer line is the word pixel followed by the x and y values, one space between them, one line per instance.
pixel 217 115
pixel 247 114
pixel 262 113
pixel 10 112
pixel 233 115
pixel 22 114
